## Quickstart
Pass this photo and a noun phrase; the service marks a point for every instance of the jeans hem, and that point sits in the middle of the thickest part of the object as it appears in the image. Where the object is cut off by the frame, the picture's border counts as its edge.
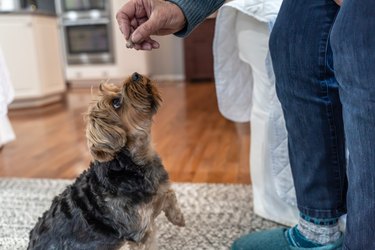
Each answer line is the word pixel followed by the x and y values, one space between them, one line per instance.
pixel 322 213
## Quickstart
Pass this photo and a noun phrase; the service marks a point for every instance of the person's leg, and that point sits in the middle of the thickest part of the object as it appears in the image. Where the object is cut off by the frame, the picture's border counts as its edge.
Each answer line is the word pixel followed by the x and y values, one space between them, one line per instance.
pixel 353 43
pixel 308 92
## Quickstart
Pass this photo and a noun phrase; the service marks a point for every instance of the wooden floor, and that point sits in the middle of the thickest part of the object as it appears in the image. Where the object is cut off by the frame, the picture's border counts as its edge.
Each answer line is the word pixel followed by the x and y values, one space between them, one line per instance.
pixel 195 142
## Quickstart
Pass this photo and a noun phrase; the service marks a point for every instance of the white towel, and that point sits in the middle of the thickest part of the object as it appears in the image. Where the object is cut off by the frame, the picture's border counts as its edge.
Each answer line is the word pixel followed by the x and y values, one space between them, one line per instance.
pixel 245 87
pixel 6 97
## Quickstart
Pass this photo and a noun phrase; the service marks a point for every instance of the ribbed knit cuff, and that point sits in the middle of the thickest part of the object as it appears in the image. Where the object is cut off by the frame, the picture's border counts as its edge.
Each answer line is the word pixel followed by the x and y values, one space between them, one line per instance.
pixel 195 12
pixel 316 221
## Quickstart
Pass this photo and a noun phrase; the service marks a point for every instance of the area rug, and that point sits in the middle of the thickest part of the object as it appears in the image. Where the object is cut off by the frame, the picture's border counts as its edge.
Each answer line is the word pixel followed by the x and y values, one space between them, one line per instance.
pixel 215 214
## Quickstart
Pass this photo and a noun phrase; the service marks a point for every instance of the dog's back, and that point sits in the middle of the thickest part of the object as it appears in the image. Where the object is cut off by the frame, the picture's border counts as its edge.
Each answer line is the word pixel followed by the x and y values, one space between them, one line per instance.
pixel 100 210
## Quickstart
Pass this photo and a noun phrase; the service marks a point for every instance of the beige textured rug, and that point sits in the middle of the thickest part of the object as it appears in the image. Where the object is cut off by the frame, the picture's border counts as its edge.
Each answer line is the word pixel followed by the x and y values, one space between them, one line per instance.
pixel 215 214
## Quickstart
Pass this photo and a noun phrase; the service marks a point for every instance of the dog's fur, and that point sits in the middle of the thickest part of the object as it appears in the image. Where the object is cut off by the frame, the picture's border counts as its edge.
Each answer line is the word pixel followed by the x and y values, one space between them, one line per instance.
pixel 116 200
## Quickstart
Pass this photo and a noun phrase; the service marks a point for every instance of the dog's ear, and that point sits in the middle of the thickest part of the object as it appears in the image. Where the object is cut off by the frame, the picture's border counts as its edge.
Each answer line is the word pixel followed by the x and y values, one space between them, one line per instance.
pixel 155 98
pixel 108 88
pixel 105 136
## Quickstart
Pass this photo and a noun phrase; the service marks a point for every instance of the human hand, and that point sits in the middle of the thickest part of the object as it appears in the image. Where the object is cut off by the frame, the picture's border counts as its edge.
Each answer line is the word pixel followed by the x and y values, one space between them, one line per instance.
pixel 139 19
pixel 339 2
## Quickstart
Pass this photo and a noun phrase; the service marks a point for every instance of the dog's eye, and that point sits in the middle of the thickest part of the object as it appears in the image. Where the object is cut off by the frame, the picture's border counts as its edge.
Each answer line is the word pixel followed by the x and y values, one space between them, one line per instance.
pixel 116 103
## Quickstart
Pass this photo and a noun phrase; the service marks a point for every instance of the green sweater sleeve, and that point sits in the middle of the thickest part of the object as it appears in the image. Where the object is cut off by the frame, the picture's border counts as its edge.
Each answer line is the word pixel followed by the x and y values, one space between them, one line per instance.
pixel 195 12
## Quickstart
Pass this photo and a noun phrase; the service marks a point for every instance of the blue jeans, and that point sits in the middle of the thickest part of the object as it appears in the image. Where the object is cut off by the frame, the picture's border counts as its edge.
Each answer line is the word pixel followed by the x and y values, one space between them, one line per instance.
pixel 324 62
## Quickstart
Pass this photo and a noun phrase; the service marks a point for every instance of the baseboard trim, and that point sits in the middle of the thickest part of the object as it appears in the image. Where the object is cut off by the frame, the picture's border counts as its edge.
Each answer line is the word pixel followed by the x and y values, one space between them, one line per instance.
pixel 168 77
pixel 36 102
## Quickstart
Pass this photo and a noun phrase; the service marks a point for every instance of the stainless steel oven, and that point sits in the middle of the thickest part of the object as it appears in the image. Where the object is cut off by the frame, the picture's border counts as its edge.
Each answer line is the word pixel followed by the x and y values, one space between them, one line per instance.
pixel 86 31
pixel 83 8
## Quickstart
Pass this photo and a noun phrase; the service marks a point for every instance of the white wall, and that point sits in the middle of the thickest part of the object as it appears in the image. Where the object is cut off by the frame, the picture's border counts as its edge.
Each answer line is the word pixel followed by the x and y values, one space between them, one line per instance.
pixel 167 62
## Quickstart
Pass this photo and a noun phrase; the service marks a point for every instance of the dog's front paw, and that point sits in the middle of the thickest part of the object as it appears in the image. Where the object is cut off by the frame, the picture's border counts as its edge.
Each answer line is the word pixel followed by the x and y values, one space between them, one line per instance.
pixel 177 218
pixel 172 210
pixel 180 220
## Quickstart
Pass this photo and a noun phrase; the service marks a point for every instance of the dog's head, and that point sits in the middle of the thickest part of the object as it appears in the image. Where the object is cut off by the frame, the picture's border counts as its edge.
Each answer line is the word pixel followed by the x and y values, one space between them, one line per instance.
pixel 120 113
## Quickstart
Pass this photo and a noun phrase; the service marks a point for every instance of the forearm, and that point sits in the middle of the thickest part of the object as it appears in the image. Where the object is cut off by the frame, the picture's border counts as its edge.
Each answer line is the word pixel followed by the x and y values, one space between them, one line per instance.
pixel 195 12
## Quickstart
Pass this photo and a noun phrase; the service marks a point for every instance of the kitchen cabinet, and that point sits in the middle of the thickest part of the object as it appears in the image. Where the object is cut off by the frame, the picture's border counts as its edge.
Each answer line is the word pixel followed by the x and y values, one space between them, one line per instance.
pixel 198 52
pixel 32 51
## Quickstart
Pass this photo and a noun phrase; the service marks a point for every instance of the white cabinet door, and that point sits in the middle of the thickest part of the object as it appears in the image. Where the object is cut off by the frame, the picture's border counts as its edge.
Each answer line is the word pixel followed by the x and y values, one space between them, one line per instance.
pixel 32 51
pixel 49 57
pixel 17 43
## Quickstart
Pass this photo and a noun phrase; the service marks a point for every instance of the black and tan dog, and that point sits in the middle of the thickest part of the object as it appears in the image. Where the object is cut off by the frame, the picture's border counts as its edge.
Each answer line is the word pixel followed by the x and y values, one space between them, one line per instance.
pixel 116 201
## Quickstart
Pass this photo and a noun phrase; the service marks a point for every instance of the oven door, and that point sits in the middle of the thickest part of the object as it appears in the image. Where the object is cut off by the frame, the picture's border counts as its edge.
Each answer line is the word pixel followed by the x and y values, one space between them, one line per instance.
pixel 83 5
pixel 88 42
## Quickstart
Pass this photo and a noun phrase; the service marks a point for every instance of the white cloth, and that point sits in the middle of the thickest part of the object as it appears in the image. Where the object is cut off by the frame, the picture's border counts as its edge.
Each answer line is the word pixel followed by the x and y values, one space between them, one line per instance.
pixel 245 87
pixel 6 97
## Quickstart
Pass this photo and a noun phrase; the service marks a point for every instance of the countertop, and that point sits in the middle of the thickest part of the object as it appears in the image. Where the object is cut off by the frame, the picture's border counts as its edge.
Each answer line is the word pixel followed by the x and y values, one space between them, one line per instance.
pixel 29 12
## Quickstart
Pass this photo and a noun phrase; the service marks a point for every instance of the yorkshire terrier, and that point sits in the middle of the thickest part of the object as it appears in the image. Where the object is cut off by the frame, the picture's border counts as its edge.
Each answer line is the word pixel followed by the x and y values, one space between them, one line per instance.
pixel 114 203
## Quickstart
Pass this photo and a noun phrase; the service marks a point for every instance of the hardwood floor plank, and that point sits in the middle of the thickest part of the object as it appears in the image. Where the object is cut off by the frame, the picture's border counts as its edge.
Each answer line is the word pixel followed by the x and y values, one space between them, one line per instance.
pixel 195 142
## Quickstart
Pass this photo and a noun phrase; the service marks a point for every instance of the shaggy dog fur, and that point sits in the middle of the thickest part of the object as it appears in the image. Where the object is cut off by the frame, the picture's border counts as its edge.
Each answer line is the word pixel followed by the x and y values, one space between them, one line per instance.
pixel 116 200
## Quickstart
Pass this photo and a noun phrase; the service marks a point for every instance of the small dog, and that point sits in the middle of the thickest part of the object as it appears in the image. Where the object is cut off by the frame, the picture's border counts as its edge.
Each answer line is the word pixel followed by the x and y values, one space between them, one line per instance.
pixel 115 201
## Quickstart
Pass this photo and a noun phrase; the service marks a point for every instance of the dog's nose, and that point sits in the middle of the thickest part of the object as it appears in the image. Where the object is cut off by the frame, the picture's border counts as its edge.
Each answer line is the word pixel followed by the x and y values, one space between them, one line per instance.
pixel 136 76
